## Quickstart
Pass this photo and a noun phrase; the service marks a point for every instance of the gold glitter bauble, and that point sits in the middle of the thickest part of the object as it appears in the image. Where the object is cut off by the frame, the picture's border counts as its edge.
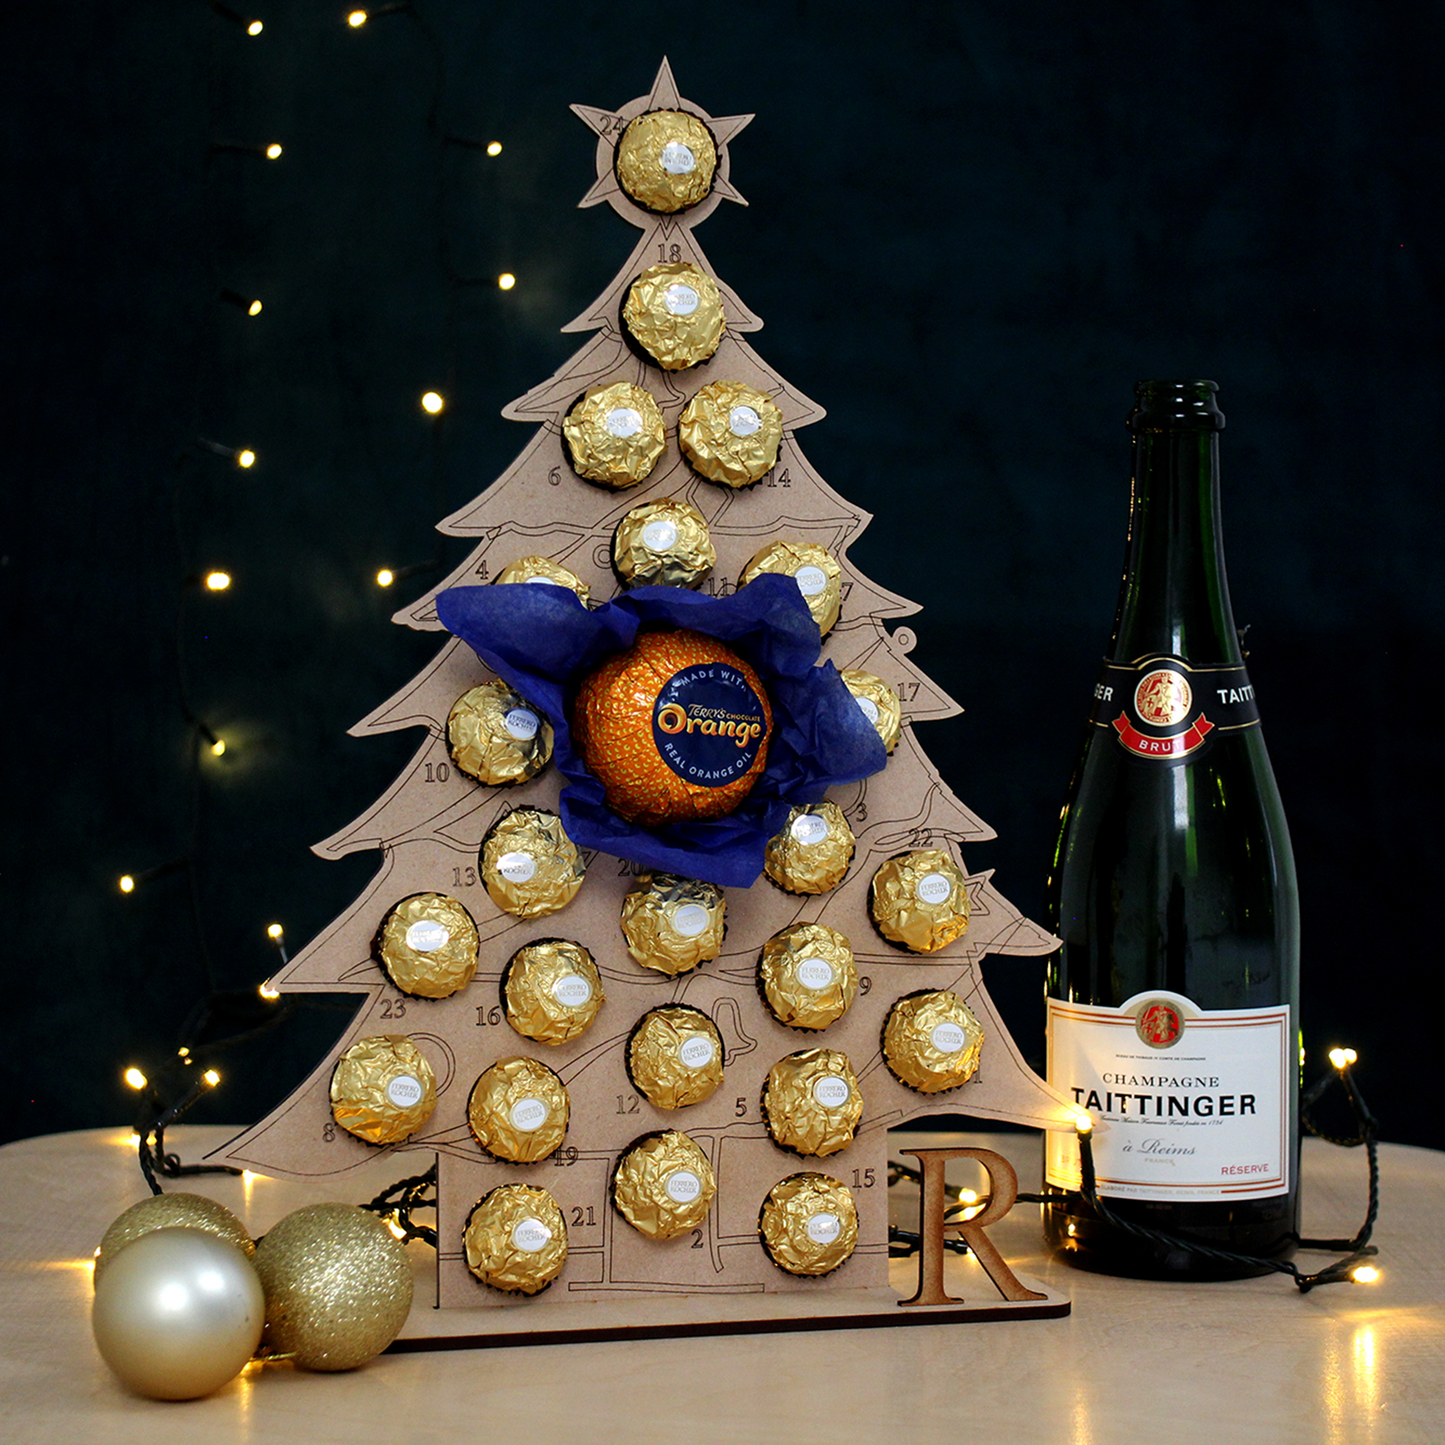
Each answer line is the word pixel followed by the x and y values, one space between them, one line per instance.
pixel 338 1286
pixel 171 1211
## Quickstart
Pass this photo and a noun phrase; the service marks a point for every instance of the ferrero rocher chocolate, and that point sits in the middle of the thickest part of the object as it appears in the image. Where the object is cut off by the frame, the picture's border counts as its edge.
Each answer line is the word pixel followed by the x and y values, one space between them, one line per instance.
pixel 664 1185
pixel 497 736
pixel 807 976
pixel 529 864
pixel 808 1224
pixel 518 1110
pixel 516 1239
pixel 919 900
pixel 551 990
pixel 663 544
pixel 427 945
pixel 878 702
pixel 731 433
pixel 811 1102
pixel 813 568
pixel 675 1056
pixel 542 571
pixel 811 853
pixel 382 1089
pixel 673 924
pixel 931 1041
pixel 675 728
pixel 615 434
pixel 675 314
pixel 666 160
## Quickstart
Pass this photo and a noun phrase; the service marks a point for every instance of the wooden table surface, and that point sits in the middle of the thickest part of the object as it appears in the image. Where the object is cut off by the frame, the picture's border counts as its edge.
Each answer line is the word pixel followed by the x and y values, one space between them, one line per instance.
pixel 1246 1363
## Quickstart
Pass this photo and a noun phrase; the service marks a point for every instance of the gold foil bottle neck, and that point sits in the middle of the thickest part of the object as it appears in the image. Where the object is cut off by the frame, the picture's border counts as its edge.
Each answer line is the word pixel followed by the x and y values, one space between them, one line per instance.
pixel 664 1185
pixel 530 867
pixel 497 736
pixel 807 976
pixel 932 1041
pixel 675 314
pixel 665 543
pixel 919 900
pixel 551 990
pixel 666 160
pixel 878 702
pixel 813 568
pixel 811 1102
pixel 812 850
pixel 615 434
pixel 809 1224
pixel 427 946
pixel 673 924
pixel 516 1239
pixel 542 572
pixel 675 1056
pixel 731 433
pixel 518 1110
pixel 382 1089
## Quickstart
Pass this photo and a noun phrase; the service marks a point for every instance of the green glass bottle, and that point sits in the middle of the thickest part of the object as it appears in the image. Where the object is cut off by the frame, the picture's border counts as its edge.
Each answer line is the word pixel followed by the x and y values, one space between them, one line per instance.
pixel 1174 1000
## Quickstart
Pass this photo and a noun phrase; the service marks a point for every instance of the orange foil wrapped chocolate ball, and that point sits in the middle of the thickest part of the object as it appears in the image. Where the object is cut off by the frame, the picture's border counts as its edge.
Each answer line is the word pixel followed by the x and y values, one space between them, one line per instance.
pixel 675 729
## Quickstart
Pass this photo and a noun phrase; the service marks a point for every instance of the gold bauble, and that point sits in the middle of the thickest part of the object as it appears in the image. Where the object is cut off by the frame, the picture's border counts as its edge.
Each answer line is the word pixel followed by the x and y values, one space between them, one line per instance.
pixel 338 1286
pixel 171 1211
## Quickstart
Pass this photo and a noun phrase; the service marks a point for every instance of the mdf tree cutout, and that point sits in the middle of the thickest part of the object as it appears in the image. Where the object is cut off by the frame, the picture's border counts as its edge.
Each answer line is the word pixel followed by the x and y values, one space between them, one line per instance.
pixel 430 825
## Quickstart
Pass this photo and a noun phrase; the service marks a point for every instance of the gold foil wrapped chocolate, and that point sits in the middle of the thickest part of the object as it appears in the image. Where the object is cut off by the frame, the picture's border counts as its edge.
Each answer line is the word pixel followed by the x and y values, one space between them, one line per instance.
pixel 427 946
pixel 932 1041
pixel 529 865
pixel 675 1056
pixel 518 1110
pixel 551 990
pixel 497 736
pixel 516 1239
pixel 731 433
pixel 809 1224
pixel 542 572
pixel 664 1185
pixel 813 568
pixel 675 314
pixel 811 1102
pixel 615 434
pixel 807 976
pixel 673 924
pixel 919 900
pixel 811 852
pixel 879 703
pixel 663 544
pixel 666 160
pixel 382 1089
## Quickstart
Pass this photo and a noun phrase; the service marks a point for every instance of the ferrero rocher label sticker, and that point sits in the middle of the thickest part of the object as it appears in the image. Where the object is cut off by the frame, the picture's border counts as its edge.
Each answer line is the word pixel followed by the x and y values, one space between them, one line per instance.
pixel 664 543
pixel 807 976
pixel 518 1110
pixel 551 990
pixel 811 852
pixel 731 433
pixel 516 1239
pixel 664 1185
pixel 382 1089
pixel 529 865
pixel 811 1102
pixel 672 924
pixel 932 1041
pixel 675 314
pixel 817 573
pixel 615 434
pixel 666 160
pixel 675 1056
pixel 879 703
pixel 496 736
pixel 427 946
pixel 919 900
pixel 809 1224
pixel 543 571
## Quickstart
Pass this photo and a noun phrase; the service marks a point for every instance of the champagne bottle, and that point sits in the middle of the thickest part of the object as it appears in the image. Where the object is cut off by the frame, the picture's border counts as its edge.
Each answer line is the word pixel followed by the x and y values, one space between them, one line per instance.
pixel 1173 1002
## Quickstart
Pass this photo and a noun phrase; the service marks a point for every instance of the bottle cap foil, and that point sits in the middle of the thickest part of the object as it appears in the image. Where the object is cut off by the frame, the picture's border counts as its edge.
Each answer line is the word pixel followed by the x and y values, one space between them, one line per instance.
pixel 811 1102
pixel 807 976
pixel 615 435
pixel 919 900
pixel 932 1041
pixel 497 736
pixel 731 433
pixel 675 1056
pixel 813 568
pixel 673 924
pixel 551 990
pixel 529 865
pixel 427 946
pixel 878 702
pixel 516 1239
pixel 663 544
pixel 809 1224
pixel 664 1185
pixel 382 1089
pixel 674 313
pixel 666 160
pixel 518 1110
pixel 542 571
pixel 812 850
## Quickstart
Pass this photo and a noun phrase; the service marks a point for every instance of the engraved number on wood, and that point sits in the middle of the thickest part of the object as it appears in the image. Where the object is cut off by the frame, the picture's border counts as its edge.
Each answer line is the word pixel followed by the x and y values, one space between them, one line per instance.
pixel 696 1239
pixel 488 1017
pixel 626 868
pixel 864 1178
pixel 781 479
pixel 907 691
pixel 464 877
pixel 563 1158
pixel 864 984
pixel 740 1109
pixel 583 1214
pixel 627 1103
pixel 860 812
pixel 393 1008
pixel 669 253
pixel 328 1132
pixel 554 477
pixel 438 772
pixel 480 572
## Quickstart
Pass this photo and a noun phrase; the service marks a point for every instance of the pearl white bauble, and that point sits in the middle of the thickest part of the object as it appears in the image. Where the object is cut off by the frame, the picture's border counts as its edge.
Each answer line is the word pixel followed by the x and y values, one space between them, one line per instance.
pixel 177 1313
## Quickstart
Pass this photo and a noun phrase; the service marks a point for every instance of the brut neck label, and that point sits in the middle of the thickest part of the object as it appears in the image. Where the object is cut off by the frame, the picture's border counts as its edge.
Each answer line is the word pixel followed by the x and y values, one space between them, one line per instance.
pixel 1162 709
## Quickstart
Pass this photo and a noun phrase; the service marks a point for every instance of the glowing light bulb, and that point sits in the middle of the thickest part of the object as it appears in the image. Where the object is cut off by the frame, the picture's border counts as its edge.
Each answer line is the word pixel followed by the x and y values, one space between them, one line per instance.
pixel 495 149
pixel 183 1052
pixel 268 993
pixel 395 1228
pixel 273 152
pixel 127 883
pixel 218 748
pixel 433 402
pixel 217 581
pixel 385 577
pixel 211 1077
pixel 967 1196
pixel 274 931
pixel 245 458
pixel 1083 1123
pixel 506 280
pixel 1364 1274
pixel 356 19
pixel 1340 1057
pixel 135 1078
pixel 254 309
pixel 255 28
